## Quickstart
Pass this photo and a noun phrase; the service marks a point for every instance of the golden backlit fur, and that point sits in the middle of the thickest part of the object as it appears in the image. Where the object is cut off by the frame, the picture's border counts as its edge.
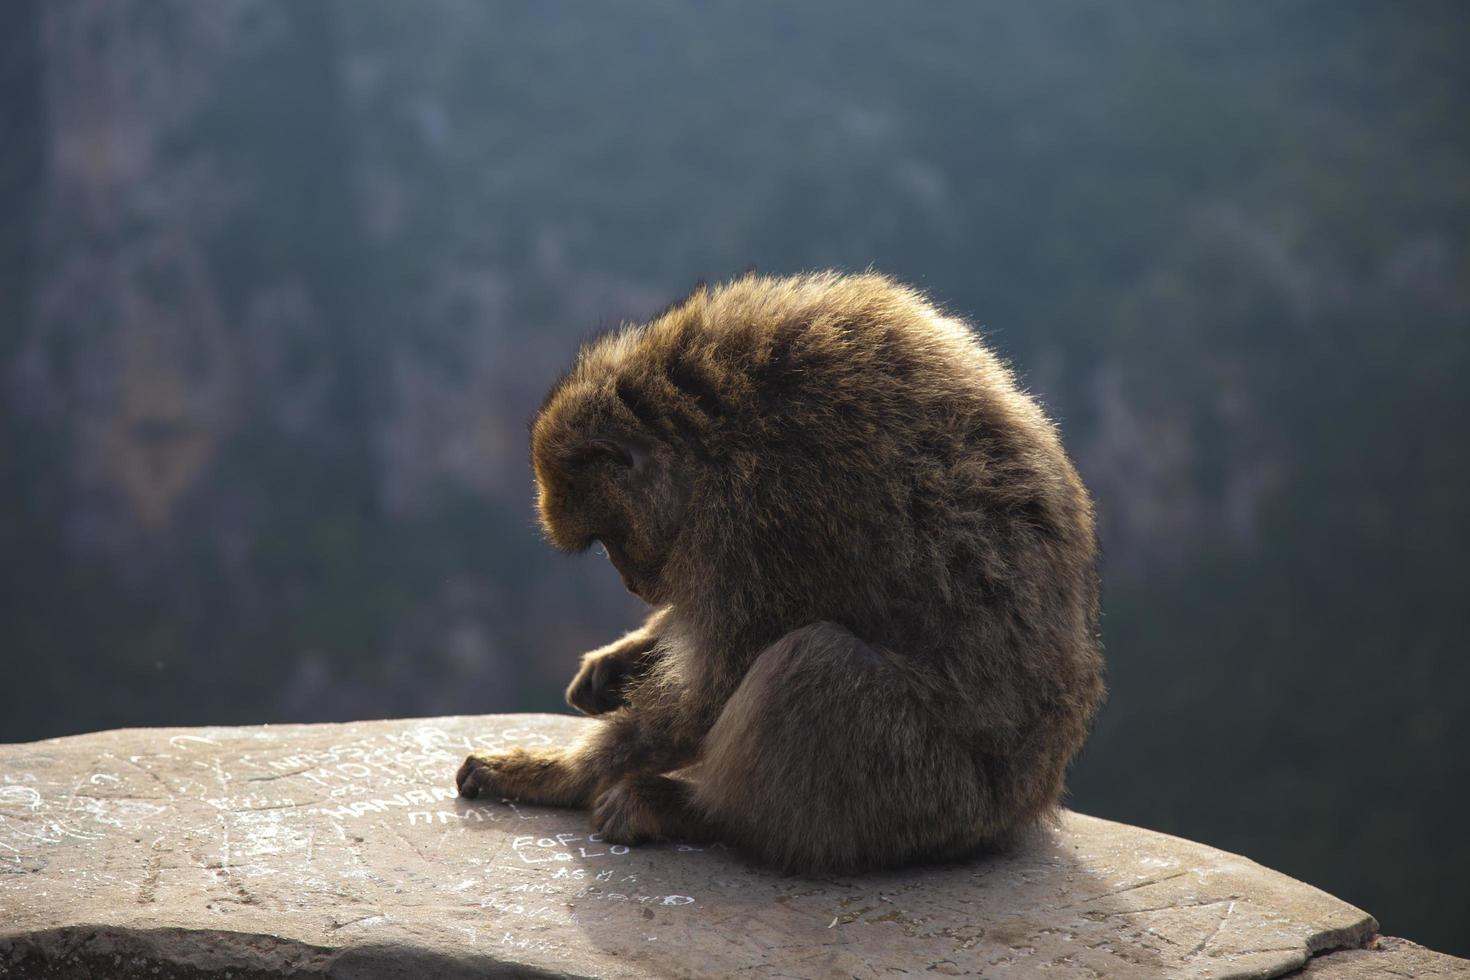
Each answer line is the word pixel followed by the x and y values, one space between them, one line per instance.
pixel 872 567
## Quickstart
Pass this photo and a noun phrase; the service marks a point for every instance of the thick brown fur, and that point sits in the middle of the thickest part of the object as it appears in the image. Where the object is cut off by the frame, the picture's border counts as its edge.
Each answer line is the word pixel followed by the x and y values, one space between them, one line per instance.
pixel 873 573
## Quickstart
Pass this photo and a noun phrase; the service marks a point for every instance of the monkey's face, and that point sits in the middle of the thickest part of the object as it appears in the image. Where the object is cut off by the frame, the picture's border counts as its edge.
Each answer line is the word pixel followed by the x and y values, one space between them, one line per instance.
pixel 603 480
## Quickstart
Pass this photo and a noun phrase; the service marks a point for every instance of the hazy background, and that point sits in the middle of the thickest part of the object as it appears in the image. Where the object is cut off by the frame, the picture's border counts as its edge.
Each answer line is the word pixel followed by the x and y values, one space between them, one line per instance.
pixel 281 283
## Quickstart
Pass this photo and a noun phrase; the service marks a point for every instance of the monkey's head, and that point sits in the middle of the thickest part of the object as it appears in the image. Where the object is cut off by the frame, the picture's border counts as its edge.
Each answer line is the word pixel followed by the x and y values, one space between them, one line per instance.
pixel 604 476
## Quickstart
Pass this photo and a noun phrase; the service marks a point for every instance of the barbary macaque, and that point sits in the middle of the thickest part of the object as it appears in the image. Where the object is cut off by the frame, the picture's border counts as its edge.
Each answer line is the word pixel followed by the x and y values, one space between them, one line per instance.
pixel 872 573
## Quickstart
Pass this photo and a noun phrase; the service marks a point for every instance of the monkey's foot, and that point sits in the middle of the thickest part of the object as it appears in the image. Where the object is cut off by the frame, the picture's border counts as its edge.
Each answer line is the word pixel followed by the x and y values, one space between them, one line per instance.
pixel 642 808
pixel 521 774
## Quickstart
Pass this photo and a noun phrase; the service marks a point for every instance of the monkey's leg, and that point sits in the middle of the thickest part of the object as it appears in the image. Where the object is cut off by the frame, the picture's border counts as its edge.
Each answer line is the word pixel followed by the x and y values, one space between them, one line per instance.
pixel 602 683
pixel 828 758
pixel 620 744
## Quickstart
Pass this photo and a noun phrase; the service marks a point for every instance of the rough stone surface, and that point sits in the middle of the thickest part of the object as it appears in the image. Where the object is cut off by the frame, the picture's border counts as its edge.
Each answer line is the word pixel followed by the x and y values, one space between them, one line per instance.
pixel 342 850
pixel 1385 958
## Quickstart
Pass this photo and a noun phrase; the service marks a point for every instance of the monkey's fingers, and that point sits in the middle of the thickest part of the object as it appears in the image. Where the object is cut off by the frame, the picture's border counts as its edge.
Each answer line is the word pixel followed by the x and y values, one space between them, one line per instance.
pixel 542 777
pixel 478 775
pixel 598 686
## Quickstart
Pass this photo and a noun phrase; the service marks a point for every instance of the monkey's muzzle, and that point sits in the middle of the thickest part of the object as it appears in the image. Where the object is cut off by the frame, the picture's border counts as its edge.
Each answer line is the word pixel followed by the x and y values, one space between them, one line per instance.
pixel 620 561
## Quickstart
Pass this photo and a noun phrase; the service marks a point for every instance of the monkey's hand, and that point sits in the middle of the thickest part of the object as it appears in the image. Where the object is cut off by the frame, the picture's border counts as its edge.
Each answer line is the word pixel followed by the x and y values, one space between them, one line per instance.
pixel 601 685
pixel 544 776
pixel 602 682
pixel 504 774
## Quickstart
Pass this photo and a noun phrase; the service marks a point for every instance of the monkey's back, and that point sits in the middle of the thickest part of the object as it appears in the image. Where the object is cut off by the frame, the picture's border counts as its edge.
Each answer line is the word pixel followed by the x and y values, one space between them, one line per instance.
pixel 871 462
pixel 861 460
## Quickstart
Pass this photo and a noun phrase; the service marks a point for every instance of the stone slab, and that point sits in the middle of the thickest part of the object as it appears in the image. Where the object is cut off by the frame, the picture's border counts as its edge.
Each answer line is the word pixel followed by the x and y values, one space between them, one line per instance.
pixel 1386 958
pixel 342 851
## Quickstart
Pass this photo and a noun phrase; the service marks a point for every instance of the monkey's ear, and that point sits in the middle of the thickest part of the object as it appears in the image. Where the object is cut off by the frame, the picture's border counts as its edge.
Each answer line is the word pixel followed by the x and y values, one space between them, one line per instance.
pixel 636 454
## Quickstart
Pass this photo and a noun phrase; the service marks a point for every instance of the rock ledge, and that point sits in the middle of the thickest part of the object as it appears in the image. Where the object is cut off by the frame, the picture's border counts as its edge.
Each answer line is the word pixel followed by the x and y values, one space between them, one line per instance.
pixel 342 851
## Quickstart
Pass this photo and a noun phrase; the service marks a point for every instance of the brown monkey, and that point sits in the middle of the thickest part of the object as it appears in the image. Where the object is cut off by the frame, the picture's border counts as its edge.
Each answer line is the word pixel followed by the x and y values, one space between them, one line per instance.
pixel 873 574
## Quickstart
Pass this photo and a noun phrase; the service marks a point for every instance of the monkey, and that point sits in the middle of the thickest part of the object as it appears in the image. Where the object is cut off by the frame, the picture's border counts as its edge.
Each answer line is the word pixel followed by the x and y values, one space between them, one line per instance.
pixel 871 570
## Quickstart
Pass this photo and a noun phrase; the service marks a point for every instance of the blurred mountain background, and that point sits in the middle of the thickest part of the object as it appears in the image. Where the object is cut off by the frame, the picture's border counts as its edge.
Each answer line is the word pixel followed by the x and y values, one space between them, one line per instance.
pixel 282 282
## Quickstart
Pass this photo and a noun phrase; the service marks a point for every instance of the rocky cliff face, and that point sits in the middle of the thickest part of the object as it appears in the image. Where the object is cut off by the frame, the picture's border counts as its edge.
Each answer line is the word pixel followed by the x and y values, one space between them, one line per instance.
pixel 230 418
pixel 342 850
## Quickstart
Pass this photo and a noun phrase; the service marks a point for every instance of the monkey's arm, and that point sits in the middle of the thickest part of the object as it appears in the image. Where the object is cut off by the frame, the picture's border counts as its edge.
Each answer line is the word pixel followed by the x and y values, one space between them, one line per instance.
pixel 623 744
pixel 659 735
pixel 603 680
